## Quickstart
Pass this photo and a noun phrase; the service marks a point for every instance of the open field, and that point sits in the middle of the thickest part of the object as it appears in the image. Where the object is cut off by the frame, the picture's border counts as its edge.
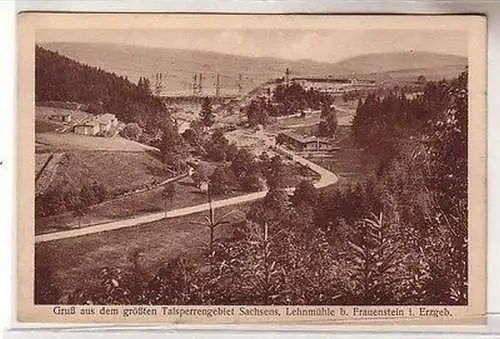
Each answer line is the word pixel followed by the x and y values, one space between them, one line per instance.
pixel 70 141
pixel 117 171
pixel 350 163
pixel 345 111
pixel 255 141
pixel 161 241
pixel 43 126
pixel 45 112
pixel 311 119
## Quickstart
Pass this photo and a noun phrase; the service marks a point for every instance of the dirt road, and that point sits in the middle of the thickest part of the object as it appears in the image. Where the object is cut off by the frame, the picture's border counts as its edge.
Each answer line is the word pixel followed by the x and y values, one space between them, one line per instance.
pixel 326 178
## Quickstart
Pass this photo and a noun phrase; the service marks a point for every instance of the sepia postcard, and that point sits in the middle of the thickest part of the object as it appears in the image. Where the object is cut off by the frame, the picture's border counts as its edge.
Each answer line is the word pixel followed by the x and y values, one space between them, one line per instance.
pixel 238 169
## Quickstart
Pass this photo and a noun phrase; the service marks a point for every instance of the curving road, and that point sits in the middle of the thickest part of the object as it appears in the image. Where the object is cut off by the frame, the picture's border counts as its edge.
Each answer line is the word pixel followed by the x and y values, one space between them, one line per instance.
pixel 326 178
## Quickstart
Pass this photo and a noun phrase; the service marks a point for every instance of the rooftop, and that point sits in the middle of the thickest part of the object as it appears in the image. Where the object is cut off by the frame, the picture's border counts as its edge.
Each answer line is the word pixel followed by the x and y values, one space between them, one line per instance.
pixel 104 118
pixel 320 79
pixel 91 123
pixel 303 138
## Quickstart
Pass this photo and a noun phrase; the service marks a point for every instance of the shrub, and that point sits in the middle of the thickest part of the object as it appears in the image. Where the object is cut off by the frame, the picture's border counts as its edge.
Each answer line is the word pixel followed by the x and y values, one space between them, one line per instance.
pixel 132 131
pixel 222 181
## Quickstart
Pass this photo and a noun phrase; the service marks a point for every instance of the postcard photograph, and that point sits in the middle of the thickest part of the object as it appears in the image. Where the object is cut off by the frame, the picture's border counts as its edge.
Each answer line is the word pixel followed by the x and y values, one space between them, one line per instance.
pixel 242 169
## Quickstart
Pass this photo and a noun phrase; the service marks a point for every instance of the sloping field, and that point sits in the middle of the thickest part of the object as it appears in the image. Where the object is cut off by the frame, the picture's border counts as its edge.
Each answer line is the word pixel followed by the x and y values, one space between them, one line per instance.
pixel 47 173
pixel 117 171
pixel 70 141
pixel 40 160
pixel 44 112
pixel 350 163
pixel 126 207
pixel 160 241
pixel 43 126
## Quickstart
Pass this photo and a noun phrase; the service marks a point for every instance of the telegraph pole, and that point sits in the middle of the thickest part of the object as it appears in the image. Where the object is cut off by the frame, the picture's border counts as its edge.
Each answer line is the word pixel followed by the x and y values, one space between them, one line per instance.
pixel 159 81
pixel 200 83
pixel 194 84
pixel 217 85
pixel 240 87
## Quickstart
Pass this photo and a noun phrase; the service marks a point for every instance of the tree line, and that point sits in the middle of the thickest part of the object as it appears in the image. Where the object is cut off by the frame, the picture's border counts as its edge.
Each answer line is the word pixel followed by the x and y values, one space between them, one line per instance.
pixel 56 201
pixel 423 173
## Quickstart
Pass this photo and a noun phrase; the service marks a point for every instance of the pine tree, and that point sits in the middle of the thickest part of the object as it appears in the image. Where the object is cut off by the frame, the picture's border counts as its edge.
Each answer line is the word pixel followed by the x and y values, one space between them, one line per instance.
pixel 206 114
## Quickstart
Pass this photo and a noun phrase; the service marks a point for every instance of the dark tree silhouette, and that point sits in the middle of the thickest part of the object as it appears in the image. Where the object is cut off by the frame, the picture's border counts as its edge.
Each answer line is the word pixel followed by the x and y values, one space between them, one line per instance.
pixel 206 114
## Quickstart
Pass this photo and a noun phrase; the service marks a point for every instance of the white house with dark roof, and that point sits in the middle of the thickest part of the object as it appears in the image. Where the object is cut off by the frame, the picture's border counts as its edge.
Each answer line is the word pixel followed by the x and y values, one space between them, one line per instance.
pixel 106 122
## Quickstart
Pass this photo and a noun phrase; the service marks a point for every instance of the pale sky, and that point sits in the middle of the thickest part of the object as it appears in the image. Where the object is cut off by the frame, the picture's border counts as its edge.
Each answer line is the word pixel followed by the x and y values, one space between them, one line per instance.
pixel 319 45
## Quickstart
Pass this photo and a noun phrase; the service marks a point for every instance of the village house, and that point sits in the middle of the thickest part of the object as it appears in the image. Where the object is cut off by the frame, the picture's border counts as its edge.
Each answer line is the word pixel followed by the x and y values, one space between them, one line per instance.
pixel 102 124
pixel 304 143
pixel 87 128
pixel 106 122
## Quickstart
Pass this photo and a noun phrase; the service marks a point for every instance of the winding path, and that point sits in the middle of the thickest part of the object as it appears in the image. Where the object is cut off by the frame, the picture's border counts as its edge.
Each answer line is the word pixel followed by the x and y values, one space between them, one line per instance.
pixel 326 178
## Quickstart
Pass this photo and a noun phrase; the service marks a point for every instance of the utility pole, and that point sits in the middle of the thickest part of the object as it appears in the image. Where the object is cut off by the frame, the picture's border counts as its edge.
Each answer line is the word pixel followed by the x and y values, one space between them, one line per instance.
pixel 240 87
pixel 287 77
pixel 159 80
pixel 211 223
pixel 217 85
pixel 200 83
pixel 194 84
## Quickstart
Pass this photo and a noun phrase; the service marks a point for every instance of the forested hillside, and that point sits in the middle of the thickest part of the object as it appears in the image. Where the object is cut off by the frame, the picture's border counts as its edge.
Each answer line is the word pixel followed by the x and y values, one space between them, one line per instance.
pixel 58 78
pixel 422 179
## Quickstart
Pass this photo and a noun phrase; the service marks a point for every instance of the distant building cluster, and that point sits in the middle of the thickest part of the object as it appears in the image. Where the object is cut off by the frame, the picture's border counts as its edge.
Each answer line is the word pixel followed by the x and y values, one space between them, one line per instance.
pixel 334 85
pixel 101 124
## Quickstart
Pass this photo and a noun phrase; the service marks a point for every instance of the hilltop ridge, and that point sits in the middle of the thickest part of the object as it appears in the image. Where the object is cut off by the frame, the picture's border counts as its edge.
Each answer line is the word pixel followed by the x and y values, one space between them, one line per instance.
pixel 134 62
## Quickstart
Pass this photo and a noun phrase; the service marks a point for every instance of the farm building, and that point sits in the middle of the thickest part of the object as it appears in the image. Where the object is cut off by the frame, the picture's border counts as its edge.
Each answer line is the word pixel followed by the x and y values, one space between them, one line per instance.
pixel 65 117
pixel 102 124
pixel 87 128
pixel 304 143
pixel 106 122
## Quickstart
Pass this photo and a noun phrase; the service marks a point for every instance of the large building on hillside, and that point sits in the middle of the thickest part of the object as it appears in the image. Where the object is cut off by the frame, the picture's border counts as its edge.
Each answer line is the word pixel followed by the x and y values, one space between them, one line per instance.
pixel 106 122
pixel 102 124
pixel 87 128
pixel 334 85
pixel 304 143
